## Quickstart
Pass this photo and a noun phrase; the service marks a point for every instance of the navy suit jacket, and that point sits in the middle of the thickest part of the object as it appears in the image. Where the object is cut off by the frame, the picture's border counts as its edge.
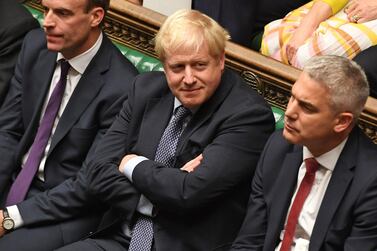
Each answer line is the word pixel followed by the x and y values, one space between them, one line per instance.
pixel 88 114
pixel 347 216
pixel 201 210
pixel 15 22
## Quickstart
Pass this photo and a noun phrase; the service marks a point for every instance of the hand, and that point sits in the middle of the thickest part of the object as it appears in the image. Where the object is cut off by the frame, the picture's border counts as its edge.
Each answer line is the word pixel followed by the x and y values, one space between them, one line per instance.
pixel 360 11
pixel 319 12
pixel 2 230
pixel 192 164
pixel 125 160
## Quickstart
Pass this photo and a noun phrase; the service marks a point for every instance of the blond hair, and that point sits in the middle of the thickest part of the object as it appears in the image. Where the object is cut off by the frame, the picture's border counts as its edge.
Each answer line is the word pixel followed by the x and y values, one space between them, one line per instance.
pixel 189 30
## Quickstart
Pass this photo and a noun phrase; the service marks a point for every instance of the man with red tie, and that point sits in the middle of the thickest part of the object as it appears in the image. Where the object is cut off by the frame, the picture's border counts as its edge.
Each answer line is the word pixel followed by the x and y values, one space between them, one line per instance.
pixel 315 185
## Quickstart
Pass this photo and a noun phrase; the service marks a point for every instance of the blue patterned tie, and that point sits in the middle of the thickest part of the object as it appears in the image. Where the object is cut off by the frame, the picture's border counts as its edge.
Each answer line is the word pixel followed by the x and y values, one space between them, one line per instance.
pixel 23 180
pixel 142 235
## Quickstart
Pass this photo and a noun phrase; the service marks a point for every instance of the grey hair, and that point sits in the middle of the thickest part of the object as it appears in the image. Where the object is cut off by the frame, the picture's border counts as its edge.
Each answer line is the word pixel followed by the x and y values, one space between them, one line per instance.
pixel 346 81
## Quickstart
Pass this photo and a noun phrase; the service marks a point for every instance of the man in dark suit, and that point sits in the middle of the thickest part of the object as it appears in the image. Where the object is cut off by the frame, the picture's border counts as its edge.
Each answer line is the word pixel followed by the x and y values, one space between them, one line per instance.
pixel 194 180
pixel 316 182
pixel 97 76
pixel 15 22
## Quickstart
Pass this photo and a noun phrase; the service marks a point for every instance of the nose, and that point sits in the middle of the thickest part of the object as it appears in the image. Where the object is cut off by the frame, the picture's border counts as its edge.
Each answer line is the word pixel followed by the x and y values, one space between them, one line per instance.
pixel 48 21
pixel 291 111
pixel 189 76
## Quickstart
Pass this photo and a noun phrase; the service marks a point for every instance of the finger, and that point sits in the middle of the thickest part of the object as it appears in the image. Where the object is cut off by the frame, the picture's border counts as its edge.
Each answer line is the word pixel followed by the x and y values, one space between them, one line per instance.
pixel 192 164
pixel 350 8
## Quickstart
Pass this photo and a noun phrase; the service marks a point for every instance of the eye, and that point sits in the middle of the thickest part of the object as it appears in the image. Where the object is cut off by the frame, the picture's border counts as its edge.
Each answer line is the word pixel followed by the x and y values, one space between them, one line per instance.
pixel 45 10
pixel 63 13
pixel 176 67
pixel 200 65
pixel 308 108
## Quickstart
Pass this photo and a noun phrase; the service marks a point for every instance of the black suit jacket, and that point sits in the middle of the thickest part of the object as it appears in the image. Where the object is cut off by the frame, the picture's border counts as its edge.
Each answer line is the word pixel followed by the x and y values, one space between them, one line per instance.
pixel 347 216
pixel 88 114
pixel 15 22
pixel 201 210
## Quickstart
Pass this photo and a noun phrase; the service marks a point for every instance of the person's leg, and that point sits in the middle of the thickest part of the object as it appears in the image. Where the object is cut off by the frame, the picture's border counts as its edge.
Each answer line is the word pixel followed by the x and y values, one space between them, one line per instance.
pixel 111 238
pixel 94 245
pixel 51 236
pixel 44 238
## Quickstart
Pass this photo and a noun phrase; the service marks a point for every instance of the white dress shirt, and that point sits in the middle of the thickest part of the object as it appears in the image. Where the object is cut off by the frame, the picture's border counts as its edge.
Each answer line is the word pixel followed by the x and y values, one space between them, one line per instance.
pixel 309 212
pixel 78 67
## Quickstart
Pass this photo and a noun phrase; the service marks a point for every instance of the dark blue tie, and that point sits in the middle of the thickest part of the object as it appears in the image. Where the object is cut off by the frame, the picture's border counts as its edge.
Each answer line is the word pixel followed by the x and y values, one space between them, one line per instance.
pixel 23 180
pixel 142 235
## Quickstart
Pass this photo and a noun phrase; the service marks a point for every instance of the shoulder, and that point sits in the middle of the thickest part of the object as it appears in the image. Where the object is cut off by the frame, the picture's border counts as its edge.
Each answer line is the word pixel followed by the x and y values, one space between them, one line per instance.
pixel 152 83
pixel 241 97
pixel 278 145
pixel 118 62
pixel 366 150
pixel 35 41
pixel 241 90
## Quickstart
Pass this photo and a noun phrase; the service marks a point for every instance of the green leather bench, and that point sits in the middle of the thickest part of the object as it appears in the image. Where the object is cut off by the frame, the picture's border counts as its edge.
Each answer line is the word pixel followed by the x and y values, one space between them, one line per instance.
pixel 146 63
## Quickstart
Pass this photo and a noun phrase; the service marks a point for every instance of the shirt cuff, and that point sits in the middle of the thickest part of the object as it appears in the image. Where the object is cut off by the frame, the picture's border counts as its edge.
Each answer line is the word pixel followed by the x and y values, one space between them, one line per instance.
pixel 130 166
pixel 14 213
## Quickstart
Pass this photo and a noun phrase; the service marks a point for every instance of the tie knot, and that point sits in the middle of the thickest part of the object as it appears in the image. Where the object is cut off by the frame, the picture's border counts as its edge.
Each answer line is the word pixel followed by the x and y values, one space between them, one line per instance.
pixel 64 66
pixel 311 165
pixel 181 112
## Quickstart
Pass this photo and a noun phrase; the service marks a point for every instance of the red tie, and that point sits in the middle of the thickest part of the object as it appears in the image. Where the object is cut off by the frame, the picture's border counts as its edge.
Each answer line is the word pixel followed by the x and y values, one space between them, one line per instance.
pixel 303 192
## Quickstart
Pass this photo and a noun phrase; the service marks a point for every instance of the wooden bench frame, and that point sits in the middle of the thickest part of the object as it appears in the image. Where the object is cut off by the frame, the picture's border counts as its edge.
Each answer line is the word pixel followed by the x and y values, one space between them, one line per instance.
pixel 135 27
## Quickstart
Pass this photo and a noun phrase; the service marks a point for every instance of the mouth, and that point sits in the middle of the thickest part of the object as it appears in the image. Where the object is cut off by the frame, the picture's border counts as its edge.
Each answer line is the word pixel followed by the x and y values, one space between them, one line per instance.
pixel 52 36
pixel 191 91
pixel 289 127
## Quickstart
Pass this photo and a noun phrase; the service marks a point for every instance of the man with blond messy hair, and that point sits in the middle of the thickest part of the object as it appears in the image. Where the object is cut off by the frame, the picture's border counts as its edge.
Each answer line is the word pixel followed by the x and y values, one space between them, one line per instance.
pixel 176 165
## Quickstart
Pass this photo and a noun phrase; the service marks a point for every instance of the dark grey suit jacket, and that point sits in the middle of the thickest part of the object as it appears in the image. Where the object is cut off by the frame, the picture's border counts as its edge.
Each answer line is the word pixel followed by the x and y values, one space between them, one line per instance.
pixel 15 22
pixel 201 210
pixel 88 114
pixel 347 217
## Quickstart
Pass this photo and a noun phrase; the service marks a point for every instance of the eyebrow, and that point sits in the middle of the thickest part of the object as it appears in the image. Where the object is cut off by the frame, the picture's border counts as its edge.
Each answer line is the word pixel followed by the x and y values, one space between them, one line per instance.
pixel 305 103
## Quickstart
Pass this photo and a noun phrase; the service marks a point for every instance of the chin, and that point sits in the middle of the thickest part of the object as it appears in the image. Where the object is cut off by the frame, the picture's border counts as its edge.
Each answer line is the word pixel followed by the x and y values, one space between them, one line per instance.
pixel 53 47
pixel 291 138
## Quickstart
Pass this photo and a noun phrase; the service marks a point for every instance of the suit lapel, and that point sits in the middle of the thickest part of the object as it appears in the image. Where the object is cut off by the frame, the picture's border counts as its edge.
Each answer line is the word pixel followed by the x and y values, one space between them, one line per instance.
pixel 156 117
pixel 36 93
pixel 339 182
pixel 282 193
pixel 86 90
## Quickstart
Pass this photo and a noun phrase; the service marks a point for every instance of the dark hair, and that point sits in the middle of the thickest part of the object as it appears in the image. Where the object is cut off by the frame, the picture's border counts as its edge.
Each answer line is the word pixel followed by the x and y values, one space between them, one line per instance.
pixel 104 4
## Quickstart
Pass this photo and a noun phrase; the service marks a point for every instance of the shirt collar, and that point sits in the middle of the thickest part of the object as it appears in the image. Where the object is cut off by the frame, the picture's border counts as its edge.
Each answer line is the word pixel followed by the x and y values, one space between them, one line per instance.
pixel 178 103
pixel 80 62
pixel 327 160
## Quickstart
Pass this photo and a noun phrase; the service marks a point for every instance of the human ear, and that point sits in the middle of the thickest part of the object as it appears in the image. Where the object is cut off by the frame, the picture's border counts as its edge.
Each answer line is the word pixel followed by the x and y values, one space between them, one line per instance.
pixel 97 15
pixel 343 121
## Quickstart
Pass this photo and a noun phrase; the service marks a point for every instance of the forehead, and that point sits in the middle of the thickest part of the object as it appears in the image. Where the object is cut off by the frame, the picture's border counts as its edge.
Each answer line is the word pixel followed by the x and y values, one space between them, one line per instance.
pixel 189 54
pixel 308 87
pixel 310 90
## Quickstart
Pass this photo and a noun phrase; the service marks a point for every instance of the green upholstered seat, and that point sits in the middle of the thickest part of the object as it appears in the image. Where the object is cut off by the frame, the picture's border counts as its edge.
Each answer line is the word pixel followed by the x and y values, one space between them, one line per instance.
pixel 145 63
pixel 279 117
pixel 142 62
